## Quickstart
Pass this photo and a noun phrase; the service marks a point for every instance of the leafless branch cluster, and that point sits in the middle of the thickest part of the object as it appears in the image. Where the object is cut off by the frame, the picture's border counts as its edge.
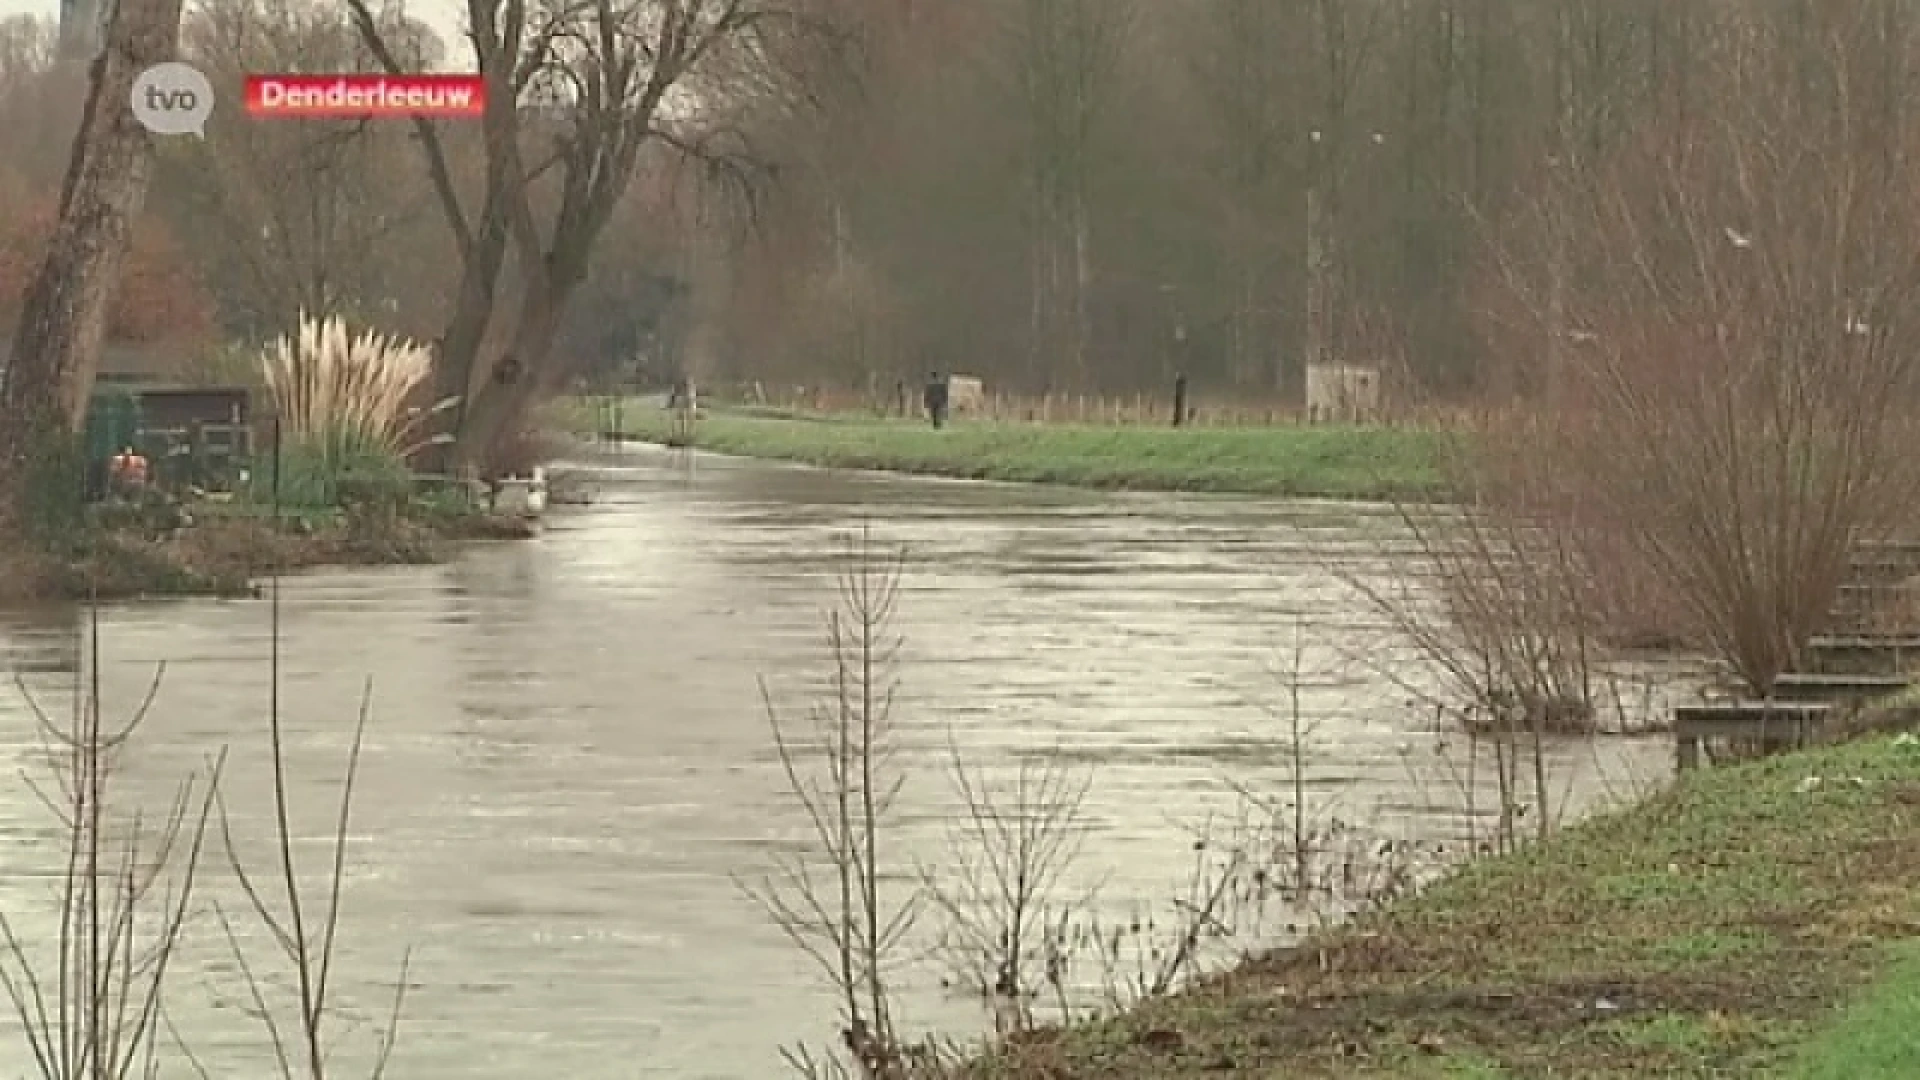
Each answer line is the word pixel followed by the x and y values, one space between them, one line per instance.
pixel 584 90
pixel 832 900
pixel 1728 301
pixel 122 895
pixel 123 902
pixel 1006 918
pixel 1015 923
pixel 305 940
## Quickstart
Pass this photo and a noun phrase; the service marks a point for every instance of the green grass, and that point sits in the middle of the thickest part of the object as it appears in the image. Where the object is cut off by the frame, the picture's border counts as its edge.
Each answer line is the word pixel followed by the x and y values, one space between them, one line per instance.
pixel 1334 462
pixel 1878 1038
pixel 1731 926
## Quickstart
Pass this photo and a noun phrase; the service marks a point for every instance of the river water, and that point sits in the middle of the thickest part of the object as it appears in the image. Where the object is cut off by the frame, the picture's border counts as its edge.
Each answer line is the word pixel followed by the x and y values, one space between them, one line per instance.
pixel 568 769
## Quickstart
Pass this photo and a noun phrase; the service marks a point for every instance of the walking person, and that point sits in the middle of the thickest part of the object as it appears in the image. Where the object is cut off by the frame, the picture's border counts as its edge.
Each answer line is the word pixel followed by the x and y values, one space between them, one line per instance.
pixel 936 398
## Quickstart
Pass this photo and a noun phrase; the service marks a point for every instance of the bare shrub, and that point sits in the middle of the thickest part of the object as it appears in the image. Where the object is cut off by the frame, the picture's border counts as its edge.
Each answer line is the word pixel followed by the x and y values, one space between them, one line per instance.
pixel 1008 926
pixel 1522 802
pixel 303 931
pixel 1157 946
pixel 1308 857
pixel 1281 865
pixel 303 928
pixel 833 900
pixel 1500 607
pixel 1739 310
pixel 96 1009
pixel 1251 882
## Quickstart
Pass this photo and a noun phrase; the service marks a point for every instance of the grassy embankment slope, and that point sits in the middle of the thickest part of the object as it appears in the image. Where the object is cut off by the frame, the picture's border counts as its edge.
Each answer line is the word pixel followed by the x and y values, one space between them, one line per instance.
pixel 1336 462
pixel 1749 923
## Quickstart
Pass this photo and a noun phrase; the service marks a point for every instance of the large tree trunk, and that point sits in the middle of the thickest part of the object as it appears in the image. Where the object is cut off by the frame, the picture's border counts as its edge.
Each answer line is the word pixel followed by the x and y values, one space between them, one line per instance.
pixel 510 386
pixel 459 347
pixel 63 318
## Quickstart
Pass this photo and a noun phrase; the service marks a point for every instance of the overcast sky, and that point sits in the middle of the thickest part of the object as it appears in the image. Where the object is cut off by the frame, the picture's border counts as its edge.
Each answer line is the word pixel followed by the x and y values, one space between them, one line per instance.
pixel 442 15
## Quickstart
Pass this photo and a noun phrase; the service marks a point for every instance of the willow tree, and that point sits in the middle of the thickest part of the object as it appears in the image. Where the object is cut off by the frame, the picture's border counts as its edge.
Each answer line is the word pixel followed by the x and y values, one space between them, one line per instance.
pixel 578 92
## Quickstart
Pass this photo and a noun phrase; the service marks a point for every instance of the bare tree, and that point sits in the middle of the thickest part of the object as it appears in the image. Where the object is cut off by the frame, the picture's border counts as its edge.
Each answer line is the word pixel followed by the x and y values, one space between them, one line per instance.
pixel 1007 919
pixel 325 217
pixel 304 931
pixel 579 92
pixel 56 347
pixel 1244 60
pixel 1067 52
pixel 1202 176
pixel 40 96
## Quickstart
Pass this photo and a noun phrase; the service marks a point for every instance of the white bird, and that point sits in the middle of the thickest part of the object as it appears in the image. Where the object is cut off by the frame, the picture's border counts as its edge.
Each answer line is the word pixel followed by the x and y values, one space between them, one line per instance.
pixel 1738 240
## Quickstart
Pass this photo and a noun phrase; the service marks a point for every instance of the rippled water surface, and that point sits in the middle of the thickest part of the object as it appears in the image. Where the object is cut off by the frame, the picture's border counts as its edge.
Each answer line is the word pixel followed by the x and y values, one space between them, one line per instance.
pixel 568 763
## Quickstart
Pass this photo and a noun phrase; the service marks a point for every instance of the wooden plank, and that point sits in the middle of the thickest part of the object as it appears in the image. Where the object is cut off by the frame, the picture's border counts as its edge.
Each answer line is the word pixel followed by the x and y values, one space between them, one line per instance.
pixel 1779 727
pixel 1889 547
pixel 1863 682
pixel 1865 642
pixel 1875 595
pixel 1882 654
pixel 1804 686
pixel 1750 715
pixel 1867 589
pixel 1884 567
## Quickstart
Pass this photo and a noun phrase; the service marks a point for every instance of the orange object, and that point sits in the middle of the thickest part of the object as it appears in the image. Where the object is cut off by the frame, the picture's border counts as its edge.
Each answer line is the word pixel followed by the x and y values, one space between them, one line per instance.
pixel 129 468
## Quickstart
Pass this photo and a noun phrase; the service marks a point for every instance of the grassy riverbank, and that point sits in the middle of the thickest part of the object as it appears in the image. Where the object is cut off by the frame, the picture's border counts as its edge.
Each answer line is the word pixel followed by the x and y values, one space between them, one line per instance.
pixel 224 553
pixel 1754 921
pixel 1336 462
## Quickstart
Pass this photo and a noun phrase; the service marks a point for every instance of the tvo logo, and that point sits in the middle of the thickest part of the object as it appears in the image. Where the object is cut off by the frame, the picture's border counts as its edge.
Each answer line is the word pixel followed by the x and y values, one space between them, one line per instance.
pixel 173 99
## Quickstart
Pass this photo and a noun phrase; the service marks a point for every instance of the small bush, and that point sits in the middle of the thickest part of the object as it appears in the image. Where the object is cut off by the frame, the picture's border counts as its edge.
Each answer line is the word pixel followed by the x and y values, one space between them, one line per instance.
pixel 334 469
